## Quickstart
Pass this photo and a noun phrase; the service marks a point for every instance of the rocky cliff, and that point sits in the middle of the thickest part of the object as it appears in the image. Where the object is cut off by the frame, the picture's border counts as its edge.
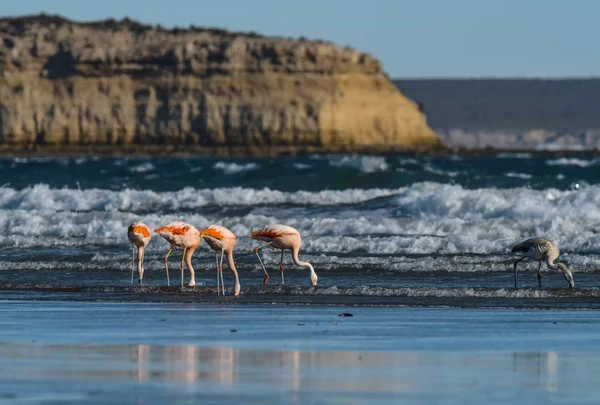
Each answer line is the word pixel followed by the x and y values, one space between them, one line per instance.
pixel 124 83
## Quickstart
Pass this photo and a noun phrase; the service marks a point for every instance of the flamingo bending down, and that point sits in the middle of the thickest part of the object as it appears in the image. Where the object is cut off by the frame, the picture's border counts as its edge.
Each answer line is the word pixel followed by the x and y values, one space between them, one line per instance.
pixel 185 236
pixel 139 236
pixel 221 239
pixel 282 237
pixel 539 250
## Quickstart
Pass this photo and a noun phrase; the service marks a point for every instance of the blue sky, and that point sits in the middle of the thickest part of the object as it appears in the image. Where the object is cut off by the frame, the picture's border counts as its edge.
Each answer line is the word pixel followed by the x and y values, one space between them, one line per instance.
pixel 418 38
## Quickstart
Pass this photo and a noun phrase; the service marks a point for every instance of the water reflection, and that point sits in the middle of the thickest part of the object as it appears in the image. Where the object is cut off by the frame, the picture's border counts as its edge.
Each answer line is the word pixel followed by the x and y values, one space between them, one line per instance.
pixel 544 365
pixel 186 363
pixel 344 373
pixel 354 371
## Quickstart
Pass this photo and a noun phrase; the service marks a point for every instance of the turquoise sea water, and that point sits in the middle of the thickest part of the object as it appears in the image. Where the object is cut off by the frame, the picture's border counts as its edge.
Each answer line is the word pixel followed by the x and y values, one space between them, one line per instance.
pixel 373 226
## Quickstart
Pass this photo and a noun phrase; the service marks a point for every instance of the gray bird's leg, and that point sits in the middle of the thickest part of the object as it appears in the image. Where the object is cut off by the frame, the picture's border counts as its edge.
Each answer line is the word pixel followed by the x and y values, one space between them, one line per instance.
pixel 515 265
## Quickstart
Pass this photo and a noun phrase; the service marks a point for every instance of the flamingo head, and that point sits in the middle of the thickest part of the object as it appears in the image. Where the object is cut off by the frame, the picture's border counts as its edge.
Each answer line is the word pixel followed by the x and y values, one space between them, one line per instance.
pixel 314 279
pixel 567 273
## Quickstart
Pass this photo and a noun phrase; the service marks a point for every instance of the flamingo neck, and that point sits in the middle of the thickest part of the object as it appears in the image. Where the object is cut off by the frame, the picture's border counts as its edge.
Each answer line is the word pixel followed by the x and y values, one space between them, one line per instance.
pixel 188 260
pixel 551 264
pixel 565 270
pixel 235 273
pixel 313 275
pixel 300 263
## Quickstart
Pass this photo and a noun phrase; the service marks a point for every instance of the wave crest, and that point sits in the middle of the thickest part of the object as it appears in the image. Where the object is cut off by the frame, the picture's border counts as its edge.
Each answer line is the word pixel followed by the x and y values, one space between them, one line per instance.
pixel 424 218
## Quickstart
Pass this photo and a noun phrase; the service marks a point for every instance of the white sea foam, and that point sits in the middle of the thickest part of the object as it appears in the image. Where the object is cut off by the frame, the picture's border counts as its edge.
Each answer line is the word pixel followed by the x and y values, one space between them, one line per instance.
pixel 142 168
pixel 42 197
pixel 507 155
pixel 365 164
pixel 431 169
pixel 425 218
pixel 523 176
pixel 362 291
pixel 234 168
pixel 411 161
pixel 572 162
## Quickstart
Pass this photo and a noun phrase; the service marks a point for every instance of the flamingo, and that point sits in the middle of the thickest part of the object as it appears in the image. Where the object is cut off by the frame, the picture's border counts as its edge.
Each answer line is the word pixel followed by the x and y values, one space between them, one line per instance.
pixel 539 250
pixel 282 237
pixel 139 236
pixel 221 239
pixel 185 236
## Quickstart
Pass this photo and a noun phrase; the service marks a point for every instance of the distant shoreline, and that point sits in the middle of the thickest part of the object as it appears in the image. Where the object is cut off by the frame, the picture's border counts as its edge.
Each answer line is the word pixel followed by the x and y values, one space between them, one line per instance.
pixel 279 151
pixel 507 105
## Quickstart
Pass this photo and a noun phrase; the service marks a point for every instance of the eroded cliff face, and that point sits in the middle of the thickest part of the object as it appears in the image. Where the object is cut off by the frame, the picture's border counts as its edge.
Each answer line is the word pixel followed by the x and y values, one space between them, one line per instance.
pixel 122 83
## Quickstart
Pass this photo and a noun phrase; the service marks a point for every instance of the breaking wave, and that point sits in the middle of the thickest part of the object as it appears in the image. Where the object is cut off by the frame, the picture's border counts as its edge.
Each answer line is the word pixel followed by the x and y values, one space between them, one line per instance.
pixel 573 162
pixel 234 168
pixel 425 218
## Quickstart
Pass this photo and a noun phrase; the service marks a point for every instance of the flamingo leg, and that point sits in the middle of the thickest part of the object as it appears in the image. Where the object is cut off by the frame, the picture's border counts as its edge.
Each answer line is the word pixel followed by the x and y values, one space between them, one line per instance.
pixel 221 272
pixel 217 268
pixel 132 262
pixel 182 267
pixel 515 266
pixel 540 274
pixel 256 249
pixel 143 266
pixel 167 265
pixel 281 266
pixel 140 265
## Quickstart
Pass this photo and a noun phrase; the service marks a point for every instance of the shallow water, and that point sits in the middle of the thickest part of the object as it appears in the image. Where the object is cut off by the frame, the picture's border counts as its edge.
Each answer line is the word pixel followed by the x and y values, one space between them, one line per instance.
pixel 55 352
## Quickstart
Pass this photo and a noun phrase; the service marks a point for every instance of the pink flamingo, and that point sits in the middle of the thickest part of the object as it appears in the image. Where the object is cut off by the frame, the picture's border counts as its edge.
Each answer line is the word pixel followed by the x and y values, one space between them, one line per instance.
pixel 221 239
pixel 139 236
pixel 282 237
pixel 185 236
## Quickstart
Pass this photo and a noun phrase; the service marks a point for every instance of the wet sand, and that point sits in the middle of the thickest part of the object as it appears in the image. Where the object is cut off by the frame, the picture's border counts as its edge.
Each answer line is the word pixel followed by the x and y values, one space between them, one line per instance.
pixel 157 353
pixel 419 296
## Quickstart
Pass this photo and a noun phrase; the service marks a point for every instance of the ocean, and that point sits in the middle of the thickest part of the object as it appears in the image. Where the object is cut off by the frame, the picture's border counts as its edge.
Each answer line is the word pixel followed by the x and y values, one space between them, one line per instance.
pixel 415 281
pixel 372 226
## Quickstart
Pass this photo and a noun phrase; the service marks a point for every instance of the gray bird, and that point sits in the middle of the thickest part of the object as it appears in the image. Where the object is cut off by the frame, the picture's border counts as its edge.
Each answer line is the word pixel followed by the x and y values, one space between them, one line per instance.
pixel 541 250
